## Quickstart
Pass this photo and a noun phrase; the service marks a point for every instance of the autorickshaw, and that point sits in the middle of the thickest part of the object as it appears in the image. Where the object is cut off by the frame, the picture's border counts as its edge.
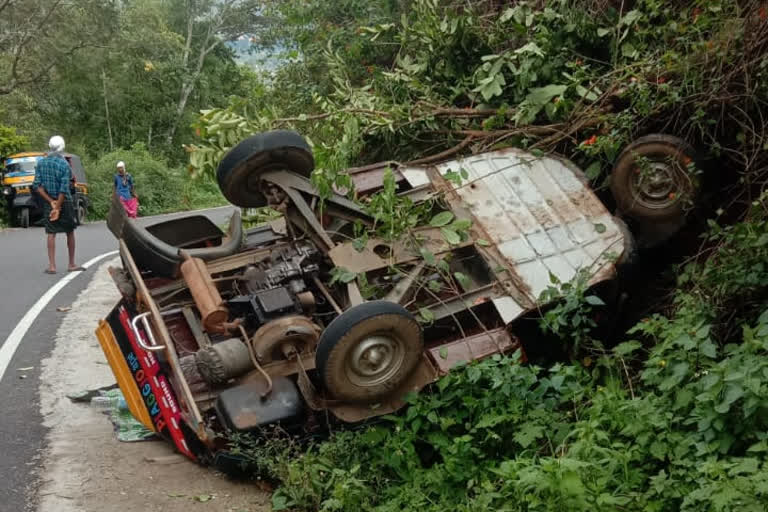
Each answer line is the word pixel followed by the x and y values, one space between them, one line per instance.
pixel 23 203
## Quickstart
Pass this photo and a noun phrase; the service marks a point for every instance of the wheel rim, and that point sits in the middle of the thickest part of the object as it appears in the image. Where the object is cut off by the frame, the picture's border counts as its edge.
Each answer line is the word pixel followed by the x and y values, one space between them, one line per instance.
pixel 374 360
pixel 656 187
pixel 80 214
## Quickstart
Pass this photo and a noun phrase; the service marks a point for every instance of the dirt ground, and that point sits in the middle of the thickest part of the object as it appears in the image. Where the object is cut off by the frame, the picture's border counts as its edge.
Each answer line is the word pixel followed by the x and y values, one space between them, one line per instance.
pixel 85 468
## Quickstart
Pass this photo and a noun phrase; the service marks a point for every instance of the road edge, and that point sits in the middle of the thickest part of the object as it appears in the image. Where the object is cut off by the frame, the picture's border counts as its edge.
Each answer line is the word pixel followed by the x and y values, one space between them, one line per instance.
pixel 11 343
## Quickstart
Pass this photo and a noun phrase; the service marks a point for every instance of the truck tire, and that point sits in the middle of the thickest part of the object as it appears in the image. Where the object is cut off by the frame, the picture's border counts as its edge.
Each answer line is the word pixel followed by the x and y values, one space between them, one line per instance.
pixel 24 217
pixel 80 213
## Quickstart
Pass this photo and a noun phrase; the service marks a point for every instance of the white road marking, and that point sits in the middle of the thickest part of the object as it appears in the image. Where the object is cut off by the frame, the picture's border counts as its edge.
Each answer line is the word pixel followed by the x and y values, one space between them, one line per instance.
pixel 12 341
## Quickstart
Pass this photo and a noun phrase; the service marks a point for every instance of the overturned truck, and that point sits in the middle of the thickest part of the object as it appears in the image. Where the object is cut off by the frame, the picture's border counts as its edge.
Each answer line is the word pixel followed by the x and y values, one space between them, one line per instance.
pixel 301 320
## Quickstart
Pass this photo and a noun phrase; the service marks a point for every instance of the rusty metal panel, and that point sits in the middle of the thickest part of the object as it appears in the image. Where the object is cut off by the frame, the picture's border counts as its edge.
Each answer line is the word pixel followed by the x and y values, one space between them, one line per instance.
pixel 541 215
pixel 472 348
pixel 346 255
pixel 370 178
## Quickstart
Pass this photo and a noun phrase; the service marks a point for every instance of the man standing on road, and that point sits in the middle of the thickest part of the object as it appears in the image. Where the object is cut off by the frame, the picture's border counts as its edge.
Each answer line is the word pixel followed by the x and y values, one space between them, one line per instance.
pixel 123 187
pixel 52 181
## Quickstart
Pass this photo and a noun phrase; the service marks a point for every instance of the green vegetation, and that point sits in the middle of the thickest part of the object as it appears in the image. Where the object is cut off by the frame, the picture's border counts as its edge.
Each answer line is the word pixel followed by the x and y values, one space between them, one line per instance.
pixel 111 76
pixel 392 80
pixel 10 141
pixel 160 187
pixel 674 418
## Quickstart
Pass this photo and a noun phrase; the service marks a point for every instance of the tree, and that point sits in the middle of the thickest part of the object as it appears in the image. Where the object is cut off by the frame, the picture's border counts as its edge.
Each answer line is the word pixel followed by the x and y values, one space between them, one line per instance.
pixel 38 35
pixel 10 141
pixel 207 25
pixel 131 84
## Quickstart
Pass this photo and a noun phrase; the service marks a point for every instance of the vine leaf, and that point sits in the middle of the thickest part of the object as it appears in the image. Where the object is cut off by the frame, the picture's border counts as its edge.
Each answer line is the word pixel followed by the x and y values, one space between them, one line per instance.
pixel 341 274
pixel 461 224
pixel 429 257
pixel 594 300
pixel 441 219
pixel 451 236
pixel 435 286
pixel 462 279
pixel 426 315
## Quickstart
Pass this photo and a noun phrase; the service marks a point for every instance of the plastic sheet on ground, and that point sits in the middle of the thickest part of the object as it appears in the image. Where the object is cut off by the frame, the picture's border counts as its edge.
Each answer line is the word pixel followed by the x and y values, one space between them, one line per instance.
pixel 128 428
pixel 111 401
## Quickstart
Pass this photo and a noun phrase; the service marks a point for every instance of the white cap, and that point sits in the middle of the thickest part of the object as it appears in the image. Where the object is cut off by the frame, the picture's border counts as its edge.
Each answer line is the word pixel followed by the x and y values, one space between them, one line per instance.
pixel 121 164
pixel 56 143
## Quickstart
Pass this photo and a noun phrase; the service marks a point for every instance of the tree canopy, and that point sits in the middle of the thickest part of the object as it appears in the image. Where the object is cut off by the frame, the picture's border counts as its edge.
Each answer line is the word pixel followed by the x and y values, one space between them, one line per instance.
pixel 36 36
pixel 130 72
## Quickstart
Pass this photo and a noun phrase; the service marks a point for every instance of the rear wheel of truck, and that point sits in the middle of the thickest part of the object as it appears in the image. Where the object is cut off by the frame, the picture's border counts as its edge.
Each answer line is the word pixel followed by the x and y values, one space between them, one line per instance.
pixel 24 217
pixel 80 213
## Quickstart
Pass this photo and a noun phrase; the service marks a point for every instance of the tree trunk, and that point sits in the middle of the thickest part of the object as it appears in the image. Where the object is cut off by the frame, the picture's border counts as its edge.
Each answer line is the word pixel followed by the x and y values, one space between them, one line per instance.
pixel 106 109
pixel 188 85
pixel 186 89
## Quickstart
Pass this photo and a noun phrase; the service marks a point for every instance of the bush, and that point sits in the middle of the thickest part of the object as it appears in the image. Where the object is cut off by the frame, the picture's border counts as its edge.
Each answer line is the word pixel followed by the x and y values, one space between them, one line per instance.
pixel 675 418
pixel 160 189
pixel 10 141
pixel 680 425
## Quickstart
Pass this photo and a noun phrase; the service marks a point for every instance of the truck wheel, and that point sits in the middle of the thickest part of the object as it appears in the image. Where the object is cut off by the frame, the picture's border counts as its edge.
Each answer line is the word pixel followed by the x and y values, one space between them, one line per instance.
pixel 651 182
pixel 368 351
pixel 81 213
pixel 24 217
pixel 240 169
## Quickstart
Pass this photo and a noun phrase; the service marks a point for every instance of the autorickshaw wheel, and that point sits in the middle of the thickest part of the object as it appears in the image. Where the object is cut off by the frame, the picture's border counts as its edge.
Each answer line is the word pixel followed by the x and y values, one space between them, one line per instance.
pixel 24 217
pixel 652 179
pixel 368 351
pixel 81 213
pixel 241 168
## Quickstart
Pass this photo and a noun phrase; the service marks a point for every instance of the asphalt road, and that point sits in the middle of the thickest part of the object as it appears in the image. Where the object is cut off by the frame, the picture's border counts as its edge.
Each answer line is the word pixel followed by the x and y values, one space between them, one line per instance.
pixel 22 282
